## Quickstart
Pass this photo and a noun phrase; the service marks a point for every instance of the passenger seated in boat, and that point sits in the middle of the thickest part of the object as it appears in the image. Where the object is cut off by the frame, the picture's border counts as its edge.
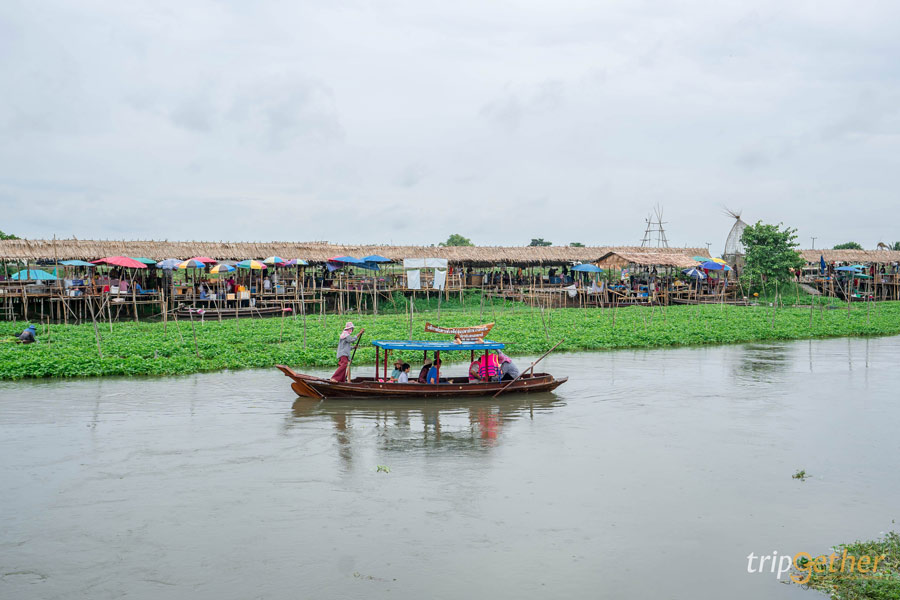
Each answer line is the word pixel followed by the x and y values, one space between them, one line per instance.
pixel 473 372
pixel 398 368
pixel 508 370
pixel 423 374
pixel 433 372
pixel 404 374
pixel 488 367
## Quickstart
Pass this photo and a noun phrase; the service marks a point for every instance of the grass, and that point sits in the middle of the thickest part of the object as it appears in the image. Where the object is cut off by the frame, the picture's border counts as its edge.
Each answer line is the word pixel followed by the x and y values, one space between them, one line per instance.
pixel 154 349
pixel 884 584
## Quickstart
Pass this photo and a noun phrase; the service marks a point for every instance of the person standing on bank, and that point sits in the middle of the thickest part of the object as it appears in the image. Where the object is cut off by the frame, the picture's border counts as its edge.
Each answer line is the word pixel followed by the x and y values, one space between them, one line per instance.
pixel 344 349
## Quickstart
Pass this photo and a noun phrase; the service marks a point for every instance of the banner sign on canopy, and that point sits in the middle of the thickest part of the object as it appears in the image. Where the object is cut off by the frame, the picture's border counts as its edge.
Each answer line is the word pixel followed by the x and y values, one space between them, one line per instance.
pixel 465 333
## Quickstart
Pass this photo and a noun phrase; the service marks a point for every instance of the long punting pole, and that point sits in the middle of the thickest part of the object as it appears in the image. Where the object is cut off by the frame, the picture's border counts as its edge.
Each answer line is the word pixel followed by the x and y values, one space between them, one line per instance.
pixel 352 356
pixel 531 368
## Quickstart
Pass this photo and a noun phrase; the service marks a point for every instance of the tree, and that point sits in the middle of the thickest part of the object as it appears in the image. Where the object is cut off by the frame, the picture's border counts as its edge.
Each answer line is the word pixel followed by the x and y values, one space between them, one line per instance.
pixel 8 236
pixel 896 246
pixel 457 240
pixel 539 242
pixel 576 245
pixel 770 253
pixel 848 246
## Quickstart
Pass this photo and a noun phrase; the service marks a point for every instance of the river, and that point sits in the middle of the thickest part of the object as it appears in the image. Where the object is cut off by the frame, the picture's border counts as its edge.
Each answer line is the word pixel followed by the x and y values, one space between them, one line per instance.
pixel 650 474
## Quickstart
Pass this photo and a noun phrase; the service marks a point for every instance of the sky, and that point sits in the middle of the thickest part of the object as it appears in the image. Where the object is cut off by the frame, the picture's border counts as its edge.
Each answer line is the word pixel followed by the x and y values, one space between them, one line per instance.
pixel 406 121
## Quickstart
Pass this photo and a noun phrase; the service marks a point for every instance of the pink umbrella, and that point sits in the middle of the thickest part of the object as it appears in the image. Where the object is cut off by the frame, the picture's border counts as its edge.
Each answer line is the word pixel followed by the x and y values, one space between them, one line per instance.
pixel 120 261
pixel 204 259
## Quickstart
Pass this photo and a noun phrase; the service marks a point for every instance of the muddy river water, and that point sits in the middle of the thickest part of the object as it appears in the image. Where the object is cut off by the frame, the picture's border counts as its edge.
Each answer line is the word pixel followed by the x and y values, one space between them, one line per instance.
pixel 650 474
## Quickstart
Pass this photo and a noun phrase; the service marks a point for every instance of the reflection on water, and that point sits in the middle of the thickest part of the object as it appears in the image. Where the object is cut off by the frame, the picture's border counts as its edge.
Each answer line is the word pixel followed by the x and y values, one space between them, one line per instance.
pixel 456 426
pixel 762 362
pixel 226 485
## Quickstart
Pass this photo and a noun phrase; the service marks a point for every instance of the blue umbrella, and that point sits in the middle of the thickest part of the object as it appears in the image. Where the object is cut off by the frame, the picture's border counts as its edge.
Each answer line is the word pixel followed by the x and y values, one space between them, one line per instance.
pixel 33 274
pixel 695 273
pixel 847 268
pixel 587 268
pixel 821 264
pixel 170 264
pixel 77 263
pixel 714 266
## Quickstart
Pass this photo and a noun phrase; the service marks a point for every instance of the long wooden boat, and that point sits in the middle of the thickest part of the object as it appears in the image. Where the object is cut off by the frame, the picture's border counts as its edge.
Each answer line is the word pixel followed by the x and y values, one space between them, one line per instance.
pixel 368 387
pixel 377 387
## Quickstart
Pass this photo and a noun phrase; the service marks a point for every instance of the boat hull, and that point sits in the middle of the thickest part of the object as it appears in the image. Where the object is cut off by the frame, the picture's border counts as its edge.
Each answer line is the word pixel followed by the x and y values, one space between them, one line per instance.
pixel 308 386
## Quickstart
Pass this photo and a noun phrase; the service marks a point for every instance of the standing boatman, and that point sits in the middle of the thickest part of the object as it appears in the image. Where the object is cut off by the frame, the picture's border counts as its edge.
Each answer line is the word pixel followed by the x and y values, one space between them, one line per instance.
pixel 344 349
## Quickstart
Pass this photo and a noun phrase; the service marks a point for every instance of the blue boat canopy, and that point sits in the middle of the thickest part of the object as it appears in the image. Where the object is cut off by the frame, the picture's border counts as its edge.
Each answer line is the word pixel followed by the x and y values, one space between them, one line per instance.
pixel 447 346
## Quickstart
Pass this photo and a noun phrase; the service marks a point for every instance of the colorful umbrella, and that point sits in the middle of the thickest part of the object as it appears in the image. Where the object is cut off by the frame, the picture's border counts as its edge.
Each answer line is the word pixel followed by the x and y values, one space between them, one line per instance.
pixel 700 258
pixel 120 261
pixel 168 264
pixel 222 268
pixel 204 259
pixel 77 263
pixel 251 264
pixel 33 274
pixel 720 261
pixel 714 266
pixel 192 263
pixel 146 261
pixel 587 268
pixel 294 262
pixel 694 273
pixel 273 260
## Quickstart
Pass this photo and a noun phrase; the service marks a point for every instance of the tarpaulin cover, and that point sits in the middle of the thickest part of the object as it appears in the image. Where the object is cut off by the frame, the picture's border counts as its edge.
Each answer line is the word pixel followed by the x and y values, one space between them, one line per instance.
pixel 440 278
pixel 424 263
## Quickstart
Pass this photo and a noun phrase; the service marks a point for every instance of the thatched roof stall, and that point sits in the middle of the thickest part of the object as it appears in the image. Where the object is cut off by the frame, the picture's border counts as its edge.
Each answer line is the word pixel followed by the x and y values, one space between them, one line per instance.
pixel 680 259
pixel 851 256
pixel 313 252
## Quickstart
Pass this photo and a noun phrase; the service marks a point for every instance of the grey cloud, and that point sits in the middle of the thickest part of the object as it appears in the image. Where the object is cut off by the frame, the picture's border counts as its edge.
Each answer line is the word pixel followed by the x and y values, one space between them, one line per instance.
pixel 513 104
pixel 320 121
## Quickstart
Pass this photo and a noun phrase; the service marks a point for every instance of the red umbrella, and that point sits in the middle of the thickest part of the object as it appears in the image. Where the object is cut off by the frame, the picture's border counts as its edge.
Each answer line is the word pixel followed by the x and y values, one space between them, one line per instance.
pixel 204 259
pixel 120 261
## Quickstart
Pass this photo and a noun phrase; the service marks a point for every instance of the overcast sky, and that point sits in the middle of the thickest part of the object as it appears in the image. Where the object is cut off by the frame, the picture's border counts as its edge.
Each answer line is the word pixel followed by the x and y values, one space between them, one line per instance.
pixel 407 121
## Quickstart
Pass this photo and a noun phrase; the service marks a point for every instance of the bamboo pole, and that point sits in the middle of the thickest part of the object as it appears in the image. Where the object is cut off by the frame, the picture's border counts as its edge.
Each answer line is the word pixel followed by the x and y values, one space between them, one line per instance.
pixel 96 330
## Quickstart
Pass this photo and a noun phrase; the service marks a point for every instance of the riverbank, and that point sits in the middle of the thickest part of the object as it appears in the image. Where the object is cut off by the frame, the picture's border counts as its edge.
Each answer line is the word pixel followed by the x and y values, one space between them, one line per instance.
pixel 178 348
pixel 861 570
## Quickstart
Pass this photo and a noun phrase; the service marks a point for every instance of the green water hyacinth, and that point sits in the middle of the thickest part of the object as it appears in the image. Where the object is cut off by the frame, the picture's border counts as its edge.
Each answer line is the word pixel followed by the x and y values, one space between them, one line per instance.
pixel 154 349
